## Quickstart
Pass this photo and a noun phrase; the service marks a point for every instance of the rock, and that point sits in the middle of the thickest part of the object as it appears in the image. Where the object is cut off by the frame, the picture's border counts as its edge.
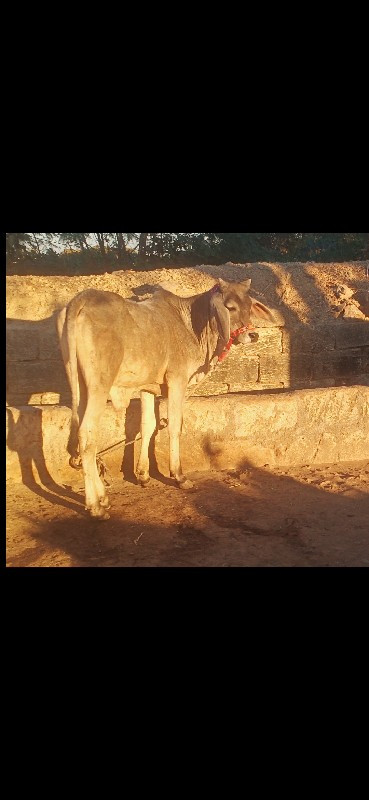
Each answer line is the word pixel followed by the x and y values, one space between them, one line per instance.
pixel 343 292
pixel 351 311
pixel 362 298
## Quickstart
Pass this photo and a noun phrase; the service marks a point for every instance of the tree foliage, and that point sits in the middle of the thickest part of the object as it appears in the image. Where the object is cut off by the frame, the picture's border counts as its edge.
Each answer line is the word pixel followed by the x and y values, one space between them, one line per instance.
pixel 191 247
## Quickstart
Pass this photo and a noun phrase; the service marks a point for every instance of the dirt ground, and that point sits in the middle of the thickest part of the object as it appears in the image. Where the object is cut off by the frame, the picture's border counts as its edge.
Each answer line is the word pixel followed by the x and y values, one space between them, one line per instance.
pixel 301 517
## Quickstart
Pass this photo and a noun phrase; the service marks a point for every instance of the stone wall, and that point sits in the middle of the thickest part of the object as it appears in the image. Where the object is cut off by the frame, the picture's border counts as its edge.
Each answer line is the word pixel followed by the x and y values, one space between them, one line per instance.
pixel 333 353
pixel 330 354
pixel 35 371
pixel 290 428
pixel 306 349
pixel 309 346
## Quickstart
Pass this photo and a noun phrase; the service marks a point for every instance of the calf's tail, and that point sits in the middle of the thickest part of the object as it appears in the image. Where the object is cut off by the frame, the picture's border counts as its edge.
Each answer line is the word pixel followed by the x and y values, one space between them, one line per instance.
pixel 73 309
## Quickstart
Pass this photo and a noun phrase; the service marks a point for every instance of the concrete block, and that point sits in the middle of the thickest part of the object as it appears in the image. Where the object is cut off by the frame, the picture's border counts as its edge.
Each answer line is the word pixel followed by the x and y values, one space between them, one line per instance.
pixel 351 333
pixel 339 363
pixel 37 438
pixel 275 371
pixel 21 344
pixel 49 344
pixel 239 368
pixel 309 339
pixel 34 378
pixel 210 389
pixel 269 342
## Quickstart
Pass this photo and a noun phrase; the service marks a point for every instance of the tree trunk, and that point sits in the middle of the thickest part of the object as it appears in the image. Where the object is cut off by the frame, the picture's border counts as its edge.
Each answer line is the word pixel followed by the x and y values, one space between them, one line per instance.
pixel 121 245
pixel 161 246
pixel 100 239
pixel 37 244
pixel 153 243
pixel 142 244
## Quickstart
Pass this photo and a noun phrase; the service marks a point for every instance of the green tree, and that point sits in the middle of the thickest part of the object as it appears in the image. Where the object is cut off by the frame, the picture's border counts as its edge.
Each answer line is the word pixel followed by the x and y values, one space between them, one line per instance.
pixel 17 244
pixel 74 240
pixel 199 247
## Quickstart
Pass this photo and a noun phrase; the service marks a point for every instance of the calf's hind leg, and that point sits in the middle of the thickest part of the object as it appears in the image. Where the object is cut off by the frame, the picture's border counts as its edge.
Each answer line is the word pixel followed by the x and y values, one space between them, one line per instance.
pixel 96 497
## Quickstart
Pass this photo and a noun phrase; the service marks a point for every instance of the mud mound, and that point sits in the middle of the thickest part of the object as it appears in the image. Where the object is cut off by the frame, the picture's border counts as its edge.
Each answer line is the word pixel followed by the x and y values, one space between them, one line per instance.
pixel 306 292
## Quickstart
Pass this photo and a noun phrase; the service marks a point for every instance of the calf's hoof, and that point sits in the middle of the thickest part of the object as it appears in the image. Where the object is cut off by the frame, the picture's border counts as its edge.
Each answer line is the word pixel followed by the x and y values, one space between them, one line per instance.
pixel 101 517
pixel 143 480
pixel 104 502
pixel 98 512
pixel 184 483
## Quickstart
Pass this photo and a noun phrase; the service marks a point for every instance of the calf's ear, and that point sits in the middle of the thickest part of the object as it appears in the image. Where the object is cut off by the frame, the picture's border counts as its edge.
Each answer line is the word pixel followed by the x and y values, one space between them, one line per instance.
pixel 223 285
pixel 260 311
pixel 221 314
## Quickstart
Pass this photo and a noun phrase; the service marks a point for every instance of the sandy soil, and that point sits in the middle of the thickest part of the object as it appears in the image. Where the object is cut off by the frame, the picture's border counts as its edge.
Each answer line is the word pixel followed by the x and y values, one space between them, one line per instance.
pixel 302 517
pixel 301 292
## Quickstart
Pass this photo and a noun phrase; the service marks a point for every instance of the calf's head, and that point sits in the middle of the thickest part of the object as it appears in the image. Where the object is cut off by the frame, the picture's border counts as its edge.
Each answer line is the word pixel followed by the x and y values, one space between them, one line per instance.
pixel 234 308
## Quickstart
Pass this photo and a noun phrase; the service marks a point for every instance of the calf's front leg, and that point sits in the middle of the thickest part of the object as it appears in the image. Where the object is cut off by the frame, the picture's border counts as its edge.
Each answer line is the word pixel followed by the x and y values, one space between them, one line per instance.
pixel 148 425
pixel 176 394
